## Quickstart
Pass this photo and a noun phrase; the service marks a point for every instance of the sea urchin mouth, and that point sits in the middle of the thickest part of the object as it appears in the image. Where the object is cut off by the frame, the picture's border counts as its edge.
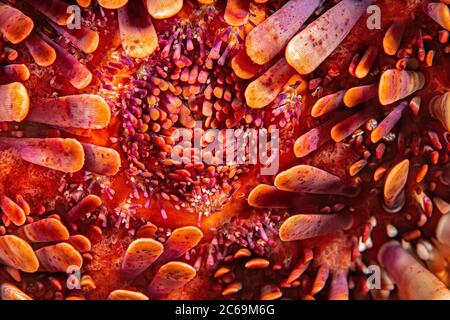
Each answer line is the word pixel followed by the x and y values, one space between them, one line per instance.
pixel 186 82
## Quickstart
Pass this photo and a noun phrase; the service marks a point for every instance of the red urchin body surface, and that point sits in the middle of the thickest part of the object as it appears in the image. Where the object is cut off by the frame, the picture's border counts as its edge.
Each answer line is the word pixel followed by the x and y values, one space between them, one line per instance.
pixel 121 178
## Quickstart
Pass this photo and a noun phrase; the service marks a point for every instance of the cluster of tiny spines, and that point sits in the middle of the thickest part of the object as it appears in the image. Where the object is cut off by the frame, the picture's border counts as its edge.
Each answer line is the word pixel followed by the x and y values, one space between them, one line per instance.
pixel 182 37
pixel 238 239
pixel 249 244
pixel 252 254
pixel 122 217
pixel 73 192
pixel 190 67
